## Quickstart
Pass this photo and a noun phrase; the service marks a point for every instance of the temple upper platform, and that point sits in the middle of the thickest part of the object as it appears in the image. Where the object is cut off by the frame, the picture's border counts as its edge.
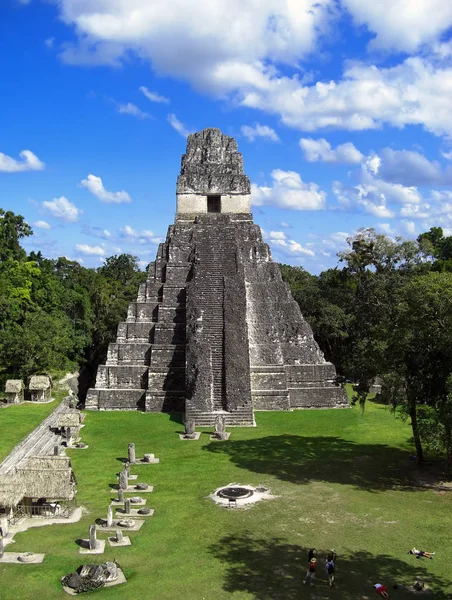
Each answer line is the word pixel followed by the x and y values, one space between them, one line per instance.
pixel 212 178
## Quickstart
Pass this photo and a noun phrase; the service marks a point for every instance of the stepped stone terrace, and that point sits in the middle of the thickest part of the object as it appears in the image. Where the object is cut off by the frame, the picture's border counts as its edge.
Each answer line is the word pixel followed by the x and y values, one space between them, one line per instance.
pixel 215 330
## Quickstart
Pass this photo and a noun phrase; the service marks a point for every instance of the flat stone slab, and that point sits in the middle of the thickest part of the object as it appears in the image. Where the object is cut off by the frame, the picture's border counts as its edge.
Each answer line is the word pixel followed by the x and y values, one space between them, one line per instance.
pixel 130 477
pixel 183 437
pixel 120 579
pixel 99 550
pixel 114 527
pixel 76 447
pixel 116 504
pixel 141 461
pixel 120 514
pixel 114 544
pixel 132 489
pixel 13 558
pixel 228 435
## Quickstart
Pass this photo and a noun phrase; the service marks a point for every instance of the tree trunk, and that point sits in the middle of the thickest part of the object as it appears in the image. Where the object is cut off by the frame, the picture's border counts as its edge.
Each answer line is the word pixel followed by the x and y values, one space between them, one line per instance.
pixel 414 427
pixel 448 444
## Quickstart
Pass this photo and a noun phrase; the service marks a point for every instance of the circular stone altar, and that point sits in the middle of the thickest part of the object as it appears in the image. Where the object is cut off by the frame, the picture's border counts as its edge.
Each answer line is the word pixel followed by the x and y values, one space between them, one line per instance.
pixel 234 492
pixel 235 495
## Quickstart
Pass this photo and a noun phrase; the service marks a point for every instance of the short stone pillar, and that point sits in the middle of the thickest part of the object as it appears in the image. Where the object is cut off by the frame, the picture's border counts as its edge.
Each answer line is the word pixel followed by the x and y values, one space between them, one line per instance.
pixel 190 428
pixel 4 526
pixel 127 506
pixel 120 495
pixel 132 458
pixel 220 428
pixel 69 434
pixel 119 536
pixel 109 516
pixel 56 450
pixel 93 543
pixel 127 469
pixel 2 547
pixel 123 480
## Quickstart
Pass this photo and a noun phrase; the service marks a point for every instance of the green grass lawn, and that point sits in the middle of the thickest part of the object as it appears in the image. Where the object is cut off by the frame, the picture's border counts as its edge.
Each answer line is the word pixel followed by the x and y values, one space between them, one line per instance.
pixel 342 480
pixel 18 420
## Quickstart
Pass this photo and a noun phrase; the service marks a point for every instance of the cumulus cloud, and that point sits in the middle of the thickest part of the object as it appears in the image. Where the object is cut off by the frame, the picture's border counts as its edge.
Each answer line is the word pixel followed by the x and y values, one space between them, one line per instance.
pixel 132 109
pixel 279 241
pixel 29 162
pixel 62 208
pixel 321 151
pixel 145 236
pixel 288 191
pixel 94 185
pixel 87 250
pixel 153 96
pixel 263 131
pixel 412 168
pixel 41 225
pixel 188 41
pixel 403 25
pixel 178 125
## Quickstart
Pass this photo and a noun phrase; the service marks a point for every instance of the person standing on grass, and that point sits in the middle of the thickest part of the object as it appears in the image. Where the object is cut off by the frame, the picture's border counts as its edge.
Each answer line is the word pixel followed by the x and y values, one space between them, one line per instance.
pixel 330 569
pixel 381 590
pixel 310 573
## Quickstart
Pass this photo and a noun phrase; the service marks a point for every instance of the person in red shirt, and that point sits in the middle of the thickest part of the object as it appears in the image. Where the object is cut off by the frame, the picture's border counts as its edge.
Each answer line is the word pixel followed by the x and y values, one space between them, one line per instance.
pixel 381 590
pixel 310 573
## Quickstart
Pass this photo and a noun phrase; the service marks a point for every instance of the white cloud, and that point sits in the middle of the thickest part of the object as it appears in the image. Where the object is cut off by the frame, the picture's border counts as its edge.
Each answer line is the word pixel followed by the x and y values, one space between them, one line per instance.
pixel 188 40
pixel 411 168
pixel 386 228
pixel 49 42
pixel 192 40
pixel 90 250
pixel 29 162
pixel 278 240
pixel 42 225
pixel 106 233
pixel 178 125
pixel 132 109
pixel 409 227
pixel 153 96
pixel 94 185
pixel 415 92
pixel 62 208
pixel 277 235
pixel 141 237
pixel 320 151
pixel 288 191
pixel 251 133
pixel 403 25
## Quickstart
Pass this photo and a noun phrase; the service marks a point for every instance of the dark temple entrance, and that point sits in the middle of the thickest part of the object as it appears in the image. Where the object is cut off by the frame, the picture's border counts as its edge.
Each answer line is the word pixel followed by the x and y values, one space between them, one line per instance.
pixel 214 204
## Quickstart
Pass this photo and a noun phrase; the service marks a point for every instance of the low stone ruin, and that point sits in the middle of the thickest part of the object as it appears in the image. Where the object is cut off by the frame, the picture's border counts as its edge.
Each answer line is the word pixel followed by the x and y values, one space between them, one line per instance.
pixel 220 432
pixel 88 578
pixel 190 432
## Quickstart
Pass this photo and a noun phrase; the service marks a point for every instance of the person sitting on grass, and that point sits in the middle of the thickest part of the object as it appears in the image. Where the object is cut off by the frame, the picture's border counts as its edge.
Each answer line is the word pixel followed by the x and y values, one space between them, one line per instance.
pixel 310 573
pixel 421 553
pixel 381 590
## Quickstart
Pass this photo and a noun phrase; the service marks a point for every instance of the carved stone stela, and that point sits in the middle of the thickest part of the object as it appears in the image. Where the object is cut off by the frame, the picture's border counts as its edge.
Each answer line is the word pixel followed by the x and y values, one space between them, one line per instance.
pixel 215 330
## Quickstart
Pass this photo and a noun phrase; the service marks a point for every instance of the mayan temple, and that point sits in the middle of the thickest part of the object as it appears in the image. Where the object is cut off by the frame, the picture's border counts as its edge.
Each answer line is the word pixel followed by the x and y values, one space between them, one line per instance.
pixel 214 330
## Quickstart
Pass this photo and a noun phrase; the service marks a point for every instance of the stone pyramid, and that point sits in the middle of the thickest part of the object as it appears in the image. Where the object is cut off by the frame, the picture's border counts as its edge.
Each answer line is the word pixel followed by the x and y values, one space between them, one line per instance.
pixel 214 330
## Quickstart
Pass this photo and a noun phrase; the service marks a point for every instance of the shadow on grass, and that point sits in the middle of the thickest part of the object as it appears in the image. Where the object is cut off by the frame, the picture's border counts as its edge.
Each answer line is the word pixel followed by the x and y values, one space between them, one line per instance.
pixel 271 569
pixel 298 459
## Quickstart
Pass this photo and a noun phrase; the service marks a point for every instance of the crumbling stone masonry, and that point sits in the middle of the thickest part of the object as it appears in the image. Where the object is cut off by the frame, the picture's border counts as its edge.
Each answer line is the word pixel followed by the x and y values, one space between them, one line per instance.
pixel 215 330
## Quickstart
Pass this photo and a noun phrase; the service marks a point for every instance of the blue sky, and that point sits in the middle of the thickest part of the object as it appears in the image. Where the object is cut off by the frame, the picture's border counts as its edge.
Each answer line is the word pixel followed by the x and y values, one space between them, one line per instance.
pixel 341 108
